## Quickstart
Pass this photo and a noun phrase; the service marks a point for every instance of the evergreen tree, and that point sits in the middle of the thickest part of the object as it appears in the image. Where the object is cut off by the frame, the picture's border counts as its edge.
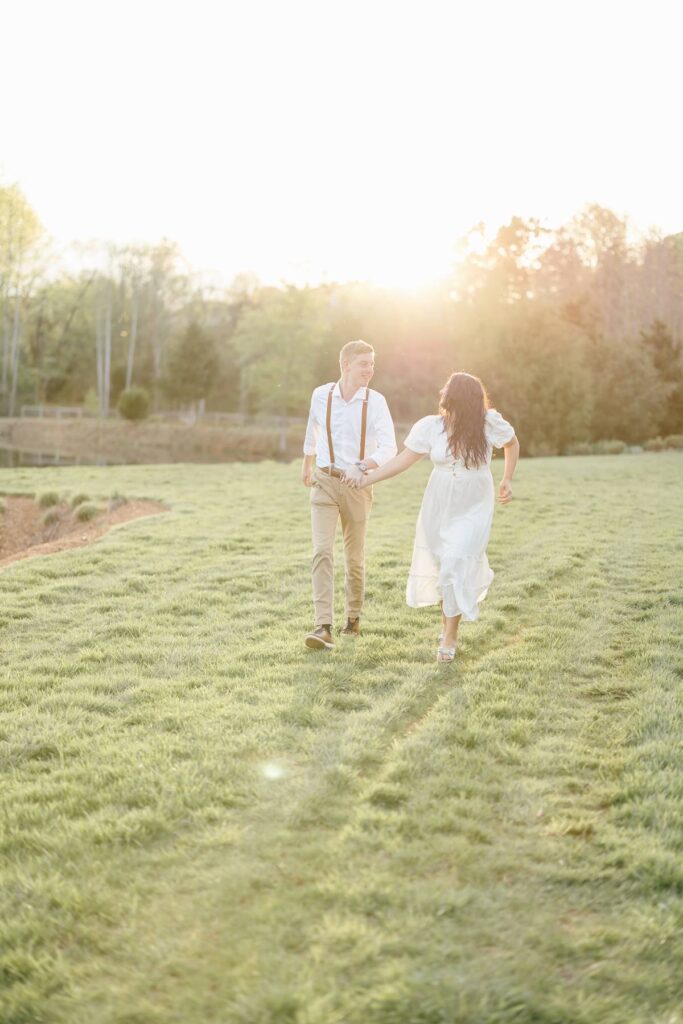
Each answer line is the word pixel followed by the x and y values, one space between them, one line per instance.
pixel 191 367
pixel 668 362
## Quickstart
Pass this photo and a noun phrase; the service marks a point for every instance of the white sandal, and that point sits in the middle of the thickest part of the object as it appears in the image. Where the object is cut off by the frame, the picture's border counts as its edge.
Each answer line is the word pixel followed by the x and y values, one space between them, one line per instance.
pixel 445 655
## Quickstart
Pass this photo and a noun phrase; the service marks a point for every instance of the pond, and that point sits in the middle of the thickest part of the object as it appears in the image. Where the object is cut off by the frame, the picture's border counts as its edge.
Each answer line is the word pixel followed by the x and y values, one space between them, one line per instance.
pixel 11 458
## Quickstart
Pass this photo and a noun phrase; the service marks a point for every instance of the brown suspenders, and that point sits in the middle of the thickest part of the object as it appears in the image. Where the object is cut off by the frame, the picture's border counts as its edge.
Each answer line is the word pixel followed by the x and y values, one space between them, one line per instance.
pixel 329 425
pixel 363 424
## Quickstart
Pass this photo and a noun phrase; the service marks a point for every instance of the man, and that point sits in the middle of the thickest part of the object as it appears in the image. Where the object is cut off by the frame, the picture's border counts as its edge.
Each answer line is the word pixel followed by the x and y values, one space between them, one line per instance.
pixel 349 431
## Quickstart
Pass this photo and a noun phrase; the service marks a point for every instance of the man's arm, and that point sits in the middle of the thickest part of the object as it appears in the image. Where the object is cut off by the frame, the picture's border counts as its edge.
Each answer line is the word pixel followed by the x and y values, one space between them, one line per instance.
pixel 307 468
pixel 385 434
pixel 310 444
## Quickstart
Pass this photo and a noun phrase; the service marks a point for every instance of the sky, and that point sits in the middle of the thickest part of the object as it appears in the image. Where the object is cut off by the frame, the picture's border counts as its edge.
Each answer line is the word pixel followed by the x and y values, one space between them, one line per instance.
pixel 337 140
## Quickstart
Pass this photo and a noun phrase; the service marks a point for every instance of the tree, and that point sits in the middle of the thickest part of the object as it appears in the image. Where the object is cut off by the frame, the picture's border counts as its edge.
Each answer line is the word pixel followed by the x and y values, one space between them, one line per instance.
pixel 103 334
pixel 58 338
pixel 276 344
pixel 503 270
pixel 627 391
pixel 21 251
pixel 134 270
pixel 667 358
pixel 166 291
pixel 533 364
pixel 191 366
pixel 601 240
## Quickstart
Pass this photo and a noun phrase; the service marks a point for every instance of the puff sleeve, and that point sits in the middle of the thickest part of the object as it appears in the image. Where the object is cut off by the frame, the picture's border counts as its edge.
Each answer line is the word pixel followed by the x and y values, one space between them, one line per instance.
pixel 421 434
pixel 498 431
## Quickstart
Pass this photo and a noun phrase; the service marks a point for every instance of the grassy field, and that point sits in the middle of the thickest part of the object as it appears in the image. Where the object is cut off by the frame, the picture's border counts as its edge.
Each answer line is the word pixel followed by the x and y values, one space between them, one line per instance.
pixel 203 821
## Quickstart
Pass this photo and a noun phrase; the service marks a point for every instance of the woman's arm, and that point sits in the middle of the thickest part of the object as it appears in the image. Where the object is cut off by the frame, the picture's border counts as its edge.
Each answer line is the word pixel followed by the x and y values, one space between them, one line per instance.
pixel 511 450
pixel 404 460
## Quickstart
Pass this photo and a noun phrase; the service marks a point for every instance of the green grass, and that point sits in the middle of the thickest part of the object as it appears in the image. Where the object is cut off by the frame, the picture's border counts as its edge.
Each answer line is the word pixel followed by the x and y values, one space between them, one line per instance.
pixel 203 821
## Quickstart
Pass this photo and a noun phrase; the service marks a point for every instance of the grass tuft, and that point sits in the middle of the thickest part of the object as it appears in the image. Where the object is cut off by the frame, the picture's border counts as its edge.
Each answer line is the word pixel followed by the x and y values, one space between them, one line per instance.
pixel 51 516
pixel 46 499
pixel 85 512
pixel 116 500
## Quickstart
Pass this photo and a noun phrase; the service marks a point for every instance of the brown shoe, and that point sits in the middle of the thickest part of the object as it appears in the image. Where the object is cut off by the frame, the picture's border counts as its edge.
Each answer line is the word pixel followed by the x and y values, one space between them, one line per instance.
pixel 352 627
pixel 320 639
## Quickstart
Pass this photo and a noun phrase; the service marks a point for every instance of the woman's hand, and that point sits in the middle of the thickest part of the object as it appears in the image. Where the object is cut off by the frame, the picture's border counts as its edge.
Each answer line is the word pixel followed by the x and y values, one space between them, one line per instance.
pixel 505 491
pixel 353 477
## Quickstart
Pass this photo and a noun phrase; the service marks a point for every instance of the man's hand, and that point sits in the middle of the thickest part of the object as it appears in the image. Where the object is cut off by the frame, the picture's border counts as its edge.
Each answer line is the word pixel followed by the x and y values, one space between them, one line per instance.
pixel 505 491
pixel 353 476
pixel 307 471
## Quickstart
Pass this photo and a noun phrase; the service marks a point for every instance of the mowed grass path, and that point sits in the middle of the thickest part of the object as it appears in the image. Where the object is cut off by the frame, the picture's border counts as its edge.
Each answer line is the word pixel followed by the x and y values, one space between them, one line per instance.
pixel 202 821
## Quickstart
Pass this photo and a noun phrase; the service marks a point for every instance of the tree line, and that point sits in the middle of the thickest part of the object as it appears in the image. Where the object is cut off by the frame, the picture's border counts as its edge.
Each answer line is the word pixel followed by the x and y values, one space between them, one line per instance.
pixel 577 331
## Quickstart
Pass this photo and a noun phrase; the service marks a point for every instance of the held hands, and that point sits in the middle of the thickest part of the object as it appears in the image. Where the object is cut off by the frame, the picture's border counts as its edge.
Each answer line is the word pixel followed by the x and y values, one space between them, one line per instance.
pixel 365 481
pixel 354 477
pixel 505 491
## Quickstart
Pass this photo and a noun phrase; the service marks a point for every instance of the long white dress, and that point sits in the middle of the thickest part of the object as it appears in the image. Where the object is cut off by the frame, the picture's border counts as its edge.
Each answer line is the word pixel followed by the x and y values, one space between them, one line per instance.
pixel 449 557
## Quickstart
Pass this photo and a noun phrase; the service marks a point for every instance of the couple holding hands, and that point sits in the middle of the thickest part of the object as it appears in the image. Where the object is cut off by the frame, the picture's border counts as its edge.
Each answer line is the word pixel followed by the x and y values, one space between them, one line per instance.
pixel 350 445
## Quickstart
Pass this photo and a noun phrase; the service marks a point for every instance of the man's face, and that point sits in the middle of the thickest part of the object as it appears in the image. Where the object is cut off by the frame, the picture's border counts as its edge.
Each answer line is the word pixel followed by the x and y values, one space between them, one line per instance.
pixel 360 369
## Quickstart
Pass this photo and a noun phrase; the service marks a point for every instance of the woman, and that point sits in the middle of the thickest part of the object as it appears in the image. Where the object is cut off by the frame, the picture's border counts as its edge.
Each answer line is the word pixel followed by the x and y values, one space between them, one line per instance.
pixel 449 564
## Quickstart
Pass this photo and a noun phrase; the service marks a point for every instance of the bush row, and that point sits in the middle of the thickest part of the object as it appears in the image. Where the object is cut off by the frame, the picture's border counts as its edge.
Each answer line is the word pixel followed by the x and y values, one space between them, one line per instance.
pixel 613 447
pixel 62 508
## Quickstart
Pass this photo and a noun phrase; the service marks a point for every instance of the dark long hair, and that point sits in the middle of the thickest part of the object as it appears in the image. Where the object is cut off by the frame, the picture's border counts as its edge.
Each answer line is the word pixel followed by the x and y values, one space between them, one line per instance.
pixel 463 403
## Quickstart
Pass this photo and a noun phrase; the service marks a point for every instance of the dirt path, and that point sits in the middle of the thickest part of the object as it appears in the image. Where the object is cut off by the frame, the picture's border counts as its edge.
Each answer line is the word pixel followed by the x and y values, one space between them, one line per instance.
pixel 24 534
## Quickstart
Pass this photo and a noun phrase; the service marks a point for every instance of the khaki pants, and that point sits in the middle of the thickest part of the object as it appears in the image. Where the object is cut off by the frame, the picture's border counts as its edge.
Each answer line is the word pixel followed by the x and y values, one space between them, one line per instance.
pixel 330 501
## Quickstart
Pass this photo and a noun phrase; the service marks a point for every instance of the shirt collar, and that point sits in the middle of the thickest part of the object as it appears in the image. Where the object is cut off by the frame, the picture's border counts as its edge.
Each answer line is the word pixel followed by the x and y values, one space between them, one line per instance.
pixel 360 393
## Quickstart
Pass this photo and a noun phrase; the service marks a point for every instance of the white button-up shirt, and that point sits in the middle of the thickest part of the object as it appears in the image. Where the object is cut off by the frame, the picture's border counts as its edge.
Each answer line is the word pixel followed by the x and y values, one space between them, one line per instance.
pixel 380 440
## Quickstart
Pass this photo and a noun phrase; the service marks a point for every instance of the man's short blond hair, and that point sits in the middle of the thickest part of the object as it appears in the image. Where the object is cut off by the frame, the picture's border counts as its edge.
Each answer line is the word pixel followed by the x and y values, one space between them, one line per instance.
pixel 352 349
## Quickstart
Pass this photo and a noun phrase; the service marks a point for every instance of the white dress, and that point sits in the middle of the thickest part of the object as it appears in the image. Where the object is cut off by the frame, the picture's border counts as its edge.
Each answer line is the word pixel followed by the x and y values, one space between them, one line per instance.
pixel 449 558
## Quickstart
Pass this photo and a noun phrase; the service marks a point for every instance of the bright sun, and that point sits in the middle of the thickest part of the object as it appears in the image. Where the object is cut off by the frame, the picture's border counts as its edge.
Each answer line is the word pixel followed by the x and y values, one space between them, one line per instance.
pixel 342 143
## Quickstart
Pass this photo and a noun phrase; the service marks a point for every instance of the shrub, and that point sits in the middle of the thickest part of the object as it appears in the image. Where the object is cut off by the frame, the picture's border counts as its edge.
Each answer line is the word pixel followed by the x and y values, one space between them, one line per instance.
pixel 133 404
pixel 47 499
pixel 609 447
pixel 655 444
pixel 117 500
pixel 86 512
pixel 51 516
pixel 674 441
pixel 78 499
pixel 541 449
pixel 581 448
